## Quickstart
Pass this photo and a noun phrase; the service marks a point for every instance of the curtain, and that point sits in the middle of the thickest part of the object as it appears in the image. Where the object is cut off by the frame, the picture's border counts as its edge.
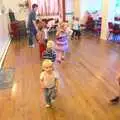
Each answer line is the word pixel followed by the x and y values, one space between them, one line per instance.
pixel 49 7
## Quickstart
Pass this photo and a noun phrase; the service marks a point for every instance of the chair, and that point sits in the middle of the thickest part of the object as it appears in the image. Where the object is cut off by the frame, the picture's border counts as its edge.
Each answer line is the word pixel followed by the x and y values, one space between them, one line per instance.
pixel 18 29
pixel 116 18
pixel 110 28
pixel 97 27
pixel 90 24
pixel 22 29
pixel 14 30
pixel 114 32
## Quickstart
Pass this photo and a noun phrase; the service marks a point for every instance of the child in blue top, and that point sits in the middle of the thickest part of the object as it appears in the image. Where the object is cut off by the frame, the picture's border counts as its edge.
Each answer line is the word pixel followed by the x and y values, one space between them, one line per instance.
pixel 49 53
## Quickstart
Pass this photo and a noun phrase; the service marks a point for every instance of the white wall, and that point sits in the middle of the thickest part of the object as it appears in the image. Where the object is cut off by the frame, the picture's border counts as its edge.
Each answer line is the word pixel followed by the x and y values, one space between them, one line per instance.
pixel 90 5
pixel 1 2
pixel 111 12
pixel 0 5
pixel 4 36
pixel 13 4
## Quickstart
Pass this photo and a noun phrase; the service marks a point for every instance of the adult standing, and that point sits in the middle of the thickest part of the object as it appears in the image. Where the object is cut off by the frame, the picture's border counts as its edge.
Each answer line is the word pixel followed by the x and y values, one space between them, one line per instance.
pixel 32 27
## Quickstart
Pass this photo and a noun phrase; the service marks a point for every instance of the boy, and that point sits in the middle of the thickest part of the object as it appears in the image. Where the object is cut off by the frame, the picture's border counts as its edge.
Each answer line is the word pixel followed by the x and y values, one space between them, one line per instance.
pixel 49 82
pixel 49 53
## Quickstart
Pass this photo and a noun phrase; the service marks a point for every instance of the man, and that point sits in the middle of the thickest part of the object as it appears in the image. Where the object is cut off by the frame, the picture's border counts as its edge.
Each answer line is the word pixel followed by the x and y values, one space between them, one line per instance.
pixel 32 27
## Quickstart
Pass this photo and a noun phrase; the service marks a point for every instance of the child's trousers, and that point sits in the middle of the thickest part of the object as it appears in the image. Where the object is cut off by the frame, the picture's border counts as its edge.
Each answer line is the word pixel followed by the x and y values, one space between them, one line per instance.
pixel 50 94
pixel 42 48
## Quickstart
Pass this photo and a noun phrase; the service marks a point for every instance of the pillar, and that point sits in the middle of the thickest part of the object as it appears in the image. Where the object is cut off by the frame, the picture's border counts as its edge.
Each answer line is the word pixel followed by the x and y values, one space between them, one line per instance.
pixel 108 8
pixel 76 8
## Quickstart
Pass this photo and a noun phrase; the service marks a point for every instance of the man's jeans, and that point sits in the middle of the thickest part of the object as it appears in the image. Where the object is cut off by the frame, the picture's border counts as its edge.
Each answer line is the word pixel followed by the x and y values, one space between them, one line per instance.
pixel 32 35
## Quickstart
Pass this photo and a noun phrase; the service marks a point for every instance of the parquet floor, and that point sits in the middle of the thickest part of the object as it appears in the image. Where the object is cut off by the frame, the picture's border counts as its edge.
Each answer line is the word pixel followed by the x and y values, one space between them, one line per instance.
pixel 87 82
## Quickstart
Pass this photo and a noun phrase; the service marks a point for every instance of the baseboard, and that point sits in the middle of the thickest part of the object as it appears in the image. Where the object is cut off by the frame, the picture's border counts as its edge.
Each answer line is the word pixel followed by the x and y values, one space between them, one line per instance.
pixel 4 51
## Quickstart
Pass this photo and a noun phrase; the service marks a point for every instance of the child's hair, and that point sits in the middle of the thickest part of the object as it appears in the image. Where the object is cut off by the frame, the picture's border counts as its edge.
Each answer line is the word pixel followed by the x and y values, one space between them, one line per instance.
pixel 46 63
pixel 37 21
pixel 62 24
pixel 50 44
pixel 34 6
pixel 39 24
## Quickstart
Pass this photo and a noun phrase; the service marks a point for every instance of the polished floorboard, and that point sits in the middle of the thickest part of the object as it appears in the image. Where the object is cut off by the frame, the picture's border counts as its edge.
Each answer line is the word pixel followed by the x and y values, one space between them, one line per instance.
pixel 87 83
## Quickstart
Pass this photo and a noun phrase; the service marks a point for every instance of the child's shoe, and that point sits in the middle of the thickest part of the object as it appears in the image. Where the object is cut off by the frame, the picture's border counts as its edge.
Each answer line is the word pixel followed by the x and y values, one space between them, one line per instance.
pixel 47 105
pixel 115 100
pixel 33 45
pixel 58 61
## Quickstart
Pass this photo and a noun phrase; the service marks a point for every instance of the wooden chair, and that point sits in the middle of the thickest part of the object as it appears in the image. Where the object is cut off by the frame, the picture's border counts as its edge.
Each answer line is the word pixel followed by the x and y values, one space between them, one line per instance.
pixel 18 29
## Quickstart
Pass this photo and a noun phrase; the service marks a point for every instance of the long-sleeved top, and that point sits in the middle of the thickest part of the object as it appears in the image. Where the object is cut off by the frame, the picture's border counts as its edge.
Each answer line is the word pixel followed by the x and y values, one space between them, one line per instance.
pixel 49 54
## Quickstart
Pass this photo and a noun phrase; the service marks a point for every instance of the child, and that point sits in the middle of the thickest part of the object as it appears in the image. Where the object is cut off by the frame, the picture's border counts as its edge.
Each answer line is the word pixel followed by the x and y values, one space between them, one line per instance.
pixel 49 82
pixel 45 29
pixel 68 30
pixel 78 33
pixel 72 26
pixel 40 36
pixel 76 28
pixel 49 53
pixel 117 98
pixel 61 44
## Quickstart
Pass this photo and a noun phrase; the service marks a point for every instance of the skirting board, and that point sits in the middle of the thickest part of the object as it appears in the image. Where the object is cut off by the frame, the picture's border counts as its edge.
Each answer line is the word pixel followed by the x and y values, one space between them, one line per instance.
pixel 4 52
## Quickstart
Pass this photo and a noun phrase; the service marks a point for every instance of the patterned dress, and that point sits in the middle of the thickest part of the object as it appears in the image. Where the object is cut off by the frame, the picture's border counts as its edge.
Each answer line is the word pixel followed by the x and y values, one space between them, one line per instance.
pixel 62 42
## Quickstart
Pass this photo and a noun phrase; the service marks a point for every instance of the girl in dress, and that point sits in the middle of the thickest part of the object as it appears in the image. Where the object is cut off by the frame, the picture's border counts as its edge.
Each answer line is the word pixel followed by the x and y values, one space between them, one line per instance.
pixel 61 43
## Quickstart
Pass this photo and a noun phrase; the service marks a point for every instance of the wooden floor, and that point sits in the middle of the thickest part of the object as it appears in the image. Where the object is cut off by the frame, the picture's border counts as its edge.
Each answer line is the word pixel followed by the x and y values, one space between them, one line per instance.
pixel 86 85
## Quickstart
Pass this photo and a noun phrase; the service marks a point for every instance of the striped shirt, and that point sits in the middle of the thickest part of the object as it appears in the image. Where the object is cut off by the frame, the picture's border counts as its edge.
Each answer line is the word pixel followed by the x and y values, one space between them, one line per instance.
pixel 49 54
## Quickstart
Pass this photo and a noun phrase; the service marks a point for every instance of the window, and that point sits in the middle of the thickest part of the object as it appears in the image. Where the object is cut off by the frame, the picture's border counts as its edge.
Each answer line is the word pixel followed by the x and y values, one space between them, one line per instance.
pixel 117 8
